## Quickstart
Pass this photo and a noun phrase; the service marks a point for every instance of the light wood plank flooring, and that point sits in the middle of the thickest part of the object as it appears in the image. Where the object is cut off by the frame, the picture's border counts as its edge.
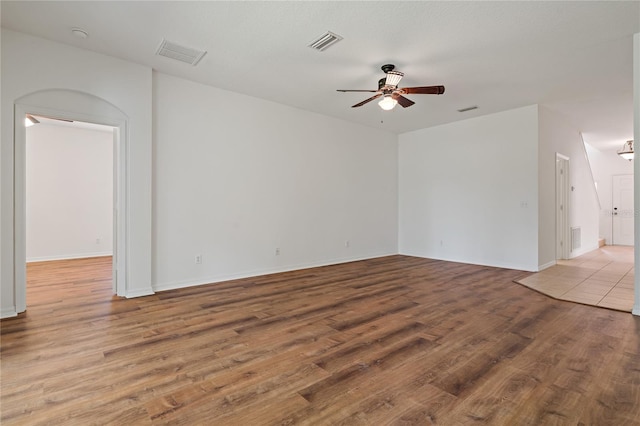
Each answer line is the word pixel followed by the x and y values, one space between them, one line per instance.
pixel 602 277
pixel 394 340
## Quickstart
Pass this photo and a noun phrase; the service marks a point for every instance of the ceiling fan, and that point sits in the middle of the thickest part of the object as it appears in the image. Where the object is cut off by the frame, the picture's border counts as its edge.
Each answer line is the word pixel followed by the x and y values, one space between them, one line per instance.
pixel 30 120
pixel 392 94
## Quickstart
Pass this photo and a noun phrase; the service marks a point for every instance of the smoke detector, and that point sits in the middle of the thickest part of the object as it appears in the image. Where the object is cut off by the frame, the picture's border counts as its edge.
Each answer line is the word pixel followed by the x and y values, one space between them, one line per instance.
pixel 80 33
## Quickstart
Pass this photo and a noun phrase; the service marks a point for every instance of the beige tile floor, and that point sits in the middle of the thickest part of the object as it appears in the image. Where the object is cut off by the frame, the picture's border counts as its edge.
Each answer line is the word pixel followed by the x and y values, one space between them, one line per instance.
pixel 602 277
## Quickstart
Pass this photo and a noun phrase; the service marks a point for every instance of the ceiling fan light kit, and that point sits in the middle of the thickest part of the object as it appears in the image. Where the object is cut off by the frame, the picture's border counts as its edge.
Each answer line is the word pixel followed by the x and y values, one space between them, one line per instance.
pixel 387 103
pixel 393 78
pixel 390 92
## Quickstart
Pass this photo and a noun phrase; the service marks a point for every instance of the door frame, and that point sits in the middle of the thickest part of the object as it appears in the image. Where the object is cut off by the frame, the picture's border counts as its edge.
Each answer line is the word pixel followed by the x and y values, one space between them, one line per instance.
pixel 120 187
pixel 563 187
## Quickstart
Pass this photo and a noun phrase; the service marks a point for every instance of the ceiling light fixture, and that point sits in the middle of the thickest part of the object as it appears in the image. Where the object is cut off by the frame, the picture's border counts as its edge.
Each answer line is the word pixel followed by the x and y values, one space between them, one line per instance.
pixel 627 151
pixel 30 120
pixel 387 103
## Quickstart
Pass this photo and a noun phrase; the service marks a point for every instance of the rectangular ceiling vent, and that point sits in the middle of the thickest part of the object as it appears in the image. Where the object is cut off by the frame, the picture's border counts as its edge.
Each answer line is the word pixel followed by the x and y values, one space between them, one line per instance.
pixel 471 108
pixel 325 41
pixel 180 53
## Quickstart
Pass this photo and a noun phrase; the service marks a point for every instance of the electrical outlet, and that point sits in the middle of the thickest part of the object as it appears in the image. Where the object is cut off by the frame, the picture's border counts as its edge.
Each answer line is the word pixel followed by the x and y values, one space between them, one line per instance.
pixel 198 259
pixel 97 240
pixel 347 243
pixel 277 251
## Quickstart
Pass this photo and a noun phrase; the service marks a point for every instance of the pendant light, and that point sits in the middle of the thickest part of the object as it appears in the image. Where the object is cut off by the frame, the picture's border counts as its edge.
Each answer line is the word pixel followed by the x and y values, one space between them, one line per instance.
pixel 627 151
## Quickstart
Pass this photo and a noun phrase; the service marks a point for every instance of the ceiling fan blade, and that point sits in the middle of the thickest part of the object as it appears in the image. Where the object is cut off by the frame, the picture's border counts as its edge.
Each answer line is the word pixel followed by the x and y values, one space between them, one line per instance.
pixel 404 102
pixel 52 118
pixel 366 100
pixel 348 90
pixel 426 90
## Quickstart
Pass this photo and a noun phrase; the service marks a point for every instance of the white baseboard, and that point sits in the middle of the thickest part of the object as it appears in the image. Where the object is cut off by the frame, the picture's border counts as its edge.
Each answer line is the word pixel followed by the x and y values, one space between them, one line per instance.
pixel 139 292
pixel 8 312
pixel 636 310
pixel 256 273
pixel 582 251
pixel 493 264
pixel 69 256
pixel 547 265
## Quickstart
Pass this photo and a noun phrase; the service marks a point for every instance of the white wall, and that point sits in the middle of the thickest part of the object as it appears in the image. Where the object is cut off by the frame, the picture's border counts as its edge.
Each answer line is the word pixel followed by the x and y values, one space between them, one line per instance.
pixel 557 135
pixel 69 192
pixel 237 177
pixel 31 64
pixel 248 177
pixel 605 165
pixel 468 190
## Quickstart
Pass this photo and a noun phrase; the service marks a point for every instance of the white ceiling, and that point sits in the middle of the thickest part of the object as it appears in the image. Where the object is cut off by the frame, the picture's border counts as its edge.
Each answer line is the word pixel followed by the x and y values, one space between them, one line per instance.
pixel 573 57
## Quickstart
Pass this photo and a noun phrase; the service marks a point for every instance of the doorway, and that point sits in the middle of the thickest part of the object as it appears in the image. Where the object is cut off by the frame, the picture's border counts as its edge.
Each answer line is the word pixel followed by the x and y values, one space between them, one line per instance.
pixel 74 106
pixel 622 210
pixel 69 197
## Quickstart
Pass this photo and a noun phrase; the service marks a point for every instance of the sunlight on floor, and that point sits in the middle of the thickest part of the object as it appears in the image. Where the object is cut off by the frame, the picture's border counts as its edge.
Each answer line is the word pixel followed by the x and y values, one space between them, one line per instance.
pixel 602 277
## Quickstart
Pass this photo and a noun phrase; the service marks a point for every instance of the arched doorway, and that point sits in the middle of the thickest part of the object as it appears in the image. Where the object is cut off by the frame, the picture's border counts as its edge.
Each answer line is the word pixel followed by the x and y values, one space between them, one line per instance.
pixel 69 105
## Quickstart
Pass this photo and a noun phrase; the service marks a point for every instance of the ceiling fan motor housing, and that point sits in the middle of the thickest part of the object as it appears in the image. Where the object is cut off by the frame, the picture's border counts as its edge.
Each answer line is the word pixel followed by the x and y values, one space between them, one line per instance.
pixel 388 67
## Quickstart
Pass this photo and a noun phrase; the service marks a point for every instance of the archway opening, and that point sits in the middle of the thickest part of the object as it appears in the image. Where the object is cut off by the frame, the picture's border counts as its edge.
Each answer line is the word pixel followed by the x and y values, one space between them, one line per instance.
pixel 77 107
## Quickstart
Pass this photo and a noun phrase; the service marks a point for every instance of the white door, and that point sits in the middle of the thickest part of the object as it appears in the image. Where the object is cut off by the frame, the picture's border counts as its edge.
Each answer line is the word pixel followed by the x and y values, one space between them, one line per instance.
pixel 622 210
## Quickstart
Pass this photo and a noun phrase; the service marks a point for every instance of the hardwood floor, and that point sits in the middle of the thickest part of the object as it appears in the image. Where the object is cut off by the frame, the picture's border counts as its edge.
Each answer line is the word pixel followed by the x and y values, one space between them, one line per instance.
pixel 394 340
